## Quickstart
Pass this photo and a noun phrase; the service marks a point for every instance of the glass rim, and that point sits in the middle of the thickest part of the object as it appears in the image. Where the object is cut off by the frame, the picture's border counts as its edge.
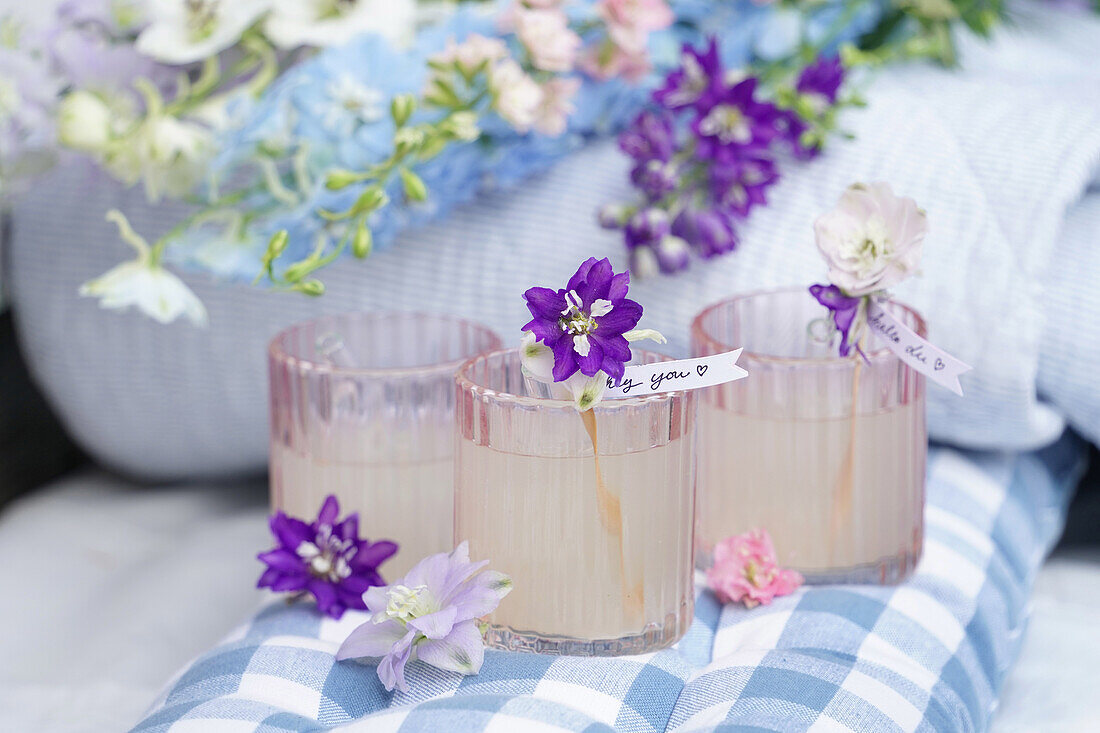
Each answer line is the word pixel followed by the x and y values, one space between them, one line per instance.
pixel 277 353
pixel 467 385
pixel 700 333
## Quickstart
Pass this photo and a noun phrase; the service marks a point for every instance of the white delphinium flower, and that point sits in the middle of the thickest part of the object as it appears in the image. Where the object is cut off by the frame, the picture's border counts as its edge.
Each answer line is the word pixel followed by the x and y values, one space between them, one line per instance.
pixel 167 154
pixel 144 284
pixel 186 31
pixel 294 23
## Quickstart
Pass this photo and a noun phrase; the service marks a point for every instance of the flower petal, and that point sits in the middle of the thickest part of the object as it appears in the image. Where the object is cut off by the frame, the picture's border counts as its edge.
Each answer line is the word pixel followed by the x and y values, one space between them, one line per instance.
pixel 430 572
pixel 289 531
pixel 581 275
pixel 349 528
pixel 616 347
pixel 591 361
pixel 544 302
pixel 621 319
pixel 327 601
pixel 282 560
pixel 620 284
pixel 391 670
pixel 435 625
pixel 463 650
pixel 545 329
pixel 330 510
pixel 371 640
pixel 376 598
pixel 565 361
pixel 373 554
pixel 481 595
pixel 597 282
pixel 536 358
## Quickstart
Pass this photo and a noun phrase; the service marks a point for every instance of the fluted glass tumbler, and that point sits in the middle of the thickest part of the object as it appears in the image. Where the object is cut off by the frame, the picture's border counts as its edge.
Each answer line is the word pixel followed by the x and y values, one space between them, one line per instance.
pixel 825 453
pixel 362 407
pixel 590 513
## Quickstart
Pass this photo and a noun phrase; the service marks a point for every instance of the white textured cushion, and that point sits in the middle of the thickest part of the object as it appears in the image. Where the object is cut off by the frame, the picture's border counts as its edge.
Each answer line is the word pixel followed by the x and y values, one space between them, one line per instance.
pixel 996 155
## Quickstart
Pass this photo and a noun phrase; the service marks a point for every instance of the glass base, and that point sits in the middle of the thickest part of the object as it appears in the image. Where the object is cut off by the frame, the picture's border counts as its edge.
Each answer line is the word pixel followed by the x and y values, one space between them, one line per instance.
pixel 655 636
pixel 887 571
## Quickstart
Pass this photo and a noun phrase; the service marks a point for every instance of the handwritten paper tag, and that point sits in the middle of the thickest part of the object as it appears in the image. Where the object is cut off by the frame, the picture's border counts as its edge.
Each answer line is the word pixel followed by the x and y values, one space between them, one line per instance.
pixel 937 365
pixel 669 376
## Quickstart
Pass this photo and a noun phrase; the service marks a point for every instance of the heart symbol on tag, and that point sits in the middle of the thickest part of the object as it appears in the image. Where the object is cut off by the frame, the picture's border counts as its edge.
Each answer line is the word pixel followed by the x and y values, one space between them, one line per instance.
pixel 939 364
pixel 701 368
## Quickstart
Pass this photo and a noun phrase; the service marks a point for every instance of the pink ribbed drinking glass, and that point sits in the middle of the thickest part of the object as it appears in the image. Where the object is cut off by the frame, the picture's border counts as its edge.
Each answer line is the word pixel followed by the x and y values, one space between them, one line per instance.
pixel 362 406
pixel 589 513
pixel 825 453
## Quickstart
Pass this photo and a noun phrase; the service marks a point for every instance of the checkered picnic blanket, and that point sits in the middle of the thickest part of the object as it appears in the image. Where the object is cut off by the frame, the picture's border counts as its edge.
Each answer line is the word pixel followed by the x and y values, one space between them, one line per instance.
pixel 930 654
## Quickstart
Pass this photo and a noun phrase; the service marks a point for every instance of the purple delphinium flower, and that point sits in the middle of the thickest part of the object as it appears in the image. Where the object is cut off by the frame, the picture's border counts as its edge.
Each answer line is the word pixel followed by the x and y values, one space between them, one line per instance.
pixel 736 123
pixel 646 227
pixel 697 82
pixel 819 86
pixel 584 323
pixel 823 77
pixel 741 184
pixel 709 231
pixel 649 137
pixel 325 558
pixel 654 178
pixel 430 614
pixel 844 309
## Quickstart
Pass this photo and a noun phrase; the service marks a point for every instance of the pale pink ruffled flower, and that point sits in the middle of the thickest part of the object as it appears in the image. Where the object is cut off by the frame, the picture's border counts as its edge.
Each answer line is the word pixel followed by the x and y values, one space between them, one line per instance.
pixel 472 52
pixel 553 113
pixel 546 35
pixel 872 240
pixel 629 22
pixel 607 60
pixel 746 570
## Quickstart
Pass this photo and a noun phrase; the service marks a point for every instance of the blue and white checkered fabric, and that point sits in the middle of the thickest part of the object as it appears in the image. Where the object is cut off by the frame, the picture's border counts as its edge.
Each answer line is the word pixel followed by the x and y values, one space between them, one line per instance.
pixel 930 654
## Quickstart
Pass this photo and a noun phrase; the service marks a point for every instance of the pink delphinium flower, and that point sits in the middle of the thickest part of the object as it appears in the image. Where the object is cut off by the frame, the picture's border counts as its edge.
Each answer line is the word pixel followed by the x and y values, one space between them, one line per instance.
pixel 472 52
pixel 546 35
pixel 629 22
pixel 553 113
pixel 745 569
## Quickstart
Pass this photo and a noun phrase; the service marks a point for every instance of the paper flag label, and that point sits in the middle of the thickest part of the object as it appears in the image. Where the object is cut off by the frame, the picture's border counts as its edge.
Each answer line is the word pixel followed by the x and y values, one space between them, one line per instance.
pixel 937 365
pixel 669 376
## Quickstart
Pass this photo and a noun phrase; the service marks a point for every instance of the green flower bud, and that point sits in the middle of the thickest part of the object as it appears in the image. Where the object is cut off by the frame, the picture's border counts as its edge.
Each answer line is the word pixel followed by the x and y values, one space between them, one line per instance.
pixel 372 199
pixel 84 122
pixel 432 147
pixel 312 288
pixel 340 178
pixel 362 242
pixel 298 270
pixel 401 108
pixel 277 244
pixel 415 189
